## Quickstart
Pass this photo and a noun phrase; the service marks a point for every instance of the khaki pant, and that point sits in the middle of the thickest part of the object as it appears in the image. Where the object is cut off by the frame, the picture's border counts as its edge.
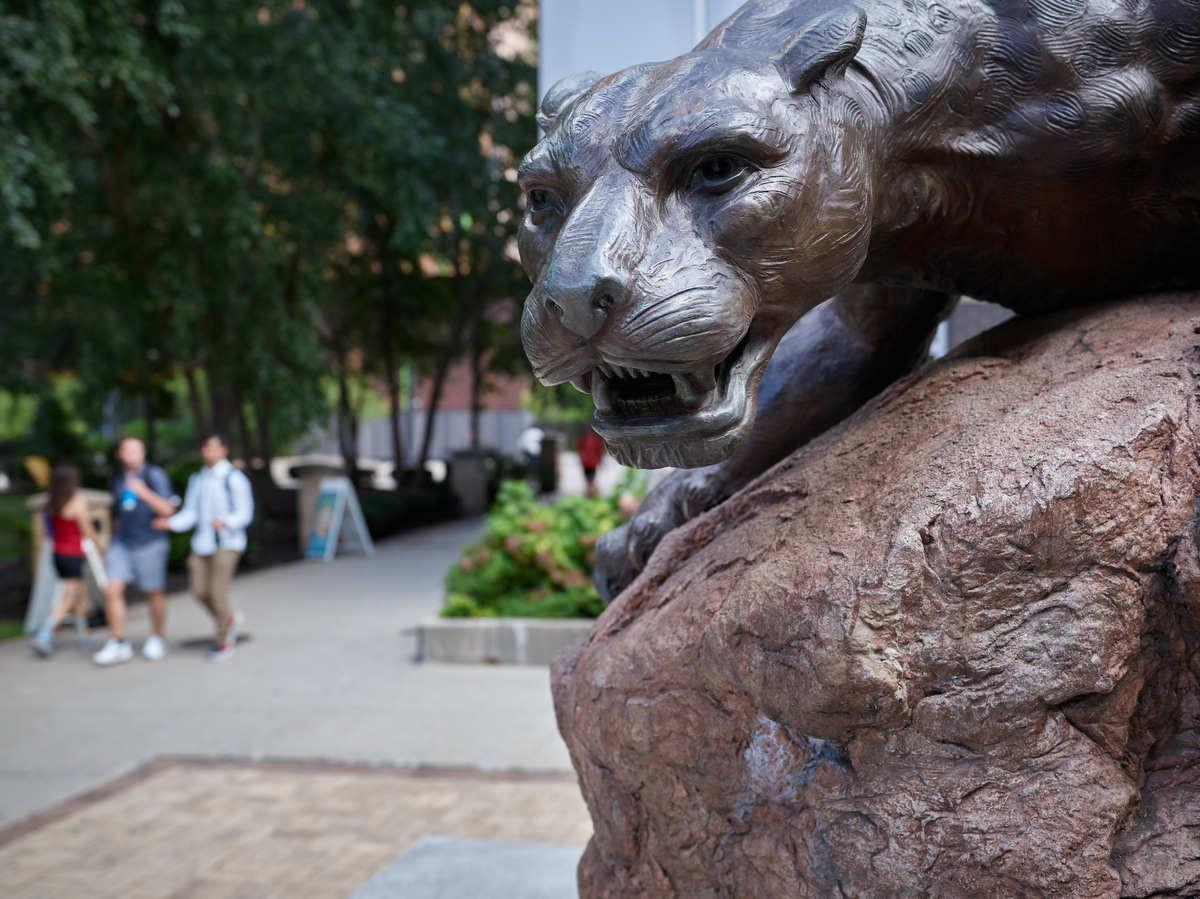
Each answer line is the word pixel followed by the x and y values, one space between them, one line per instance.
pixel 210 578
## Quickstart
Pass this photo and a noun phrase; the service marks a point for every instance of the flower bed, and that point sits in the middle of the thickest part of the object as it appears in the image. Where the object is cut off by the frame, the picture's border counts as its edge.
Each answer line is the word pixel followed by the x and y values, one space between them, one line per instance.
pixel 535 560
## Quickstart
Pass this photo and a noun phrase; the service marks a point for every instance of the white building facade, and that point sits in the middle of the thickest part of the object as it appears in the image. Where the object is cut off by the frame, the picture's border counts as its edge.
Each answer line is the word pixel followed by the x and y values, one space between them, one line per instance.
pixel 608 35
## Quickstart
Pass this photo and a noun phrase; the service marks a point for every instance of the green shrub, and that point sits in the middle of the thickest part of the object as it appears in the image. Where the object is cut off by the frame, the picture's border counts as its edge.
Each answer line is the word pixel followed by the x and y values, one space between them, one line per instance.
pixel 180 549
pixel 15 528
pixel 11 628
pixel 535 560
pixel 389 512
pixel 180 471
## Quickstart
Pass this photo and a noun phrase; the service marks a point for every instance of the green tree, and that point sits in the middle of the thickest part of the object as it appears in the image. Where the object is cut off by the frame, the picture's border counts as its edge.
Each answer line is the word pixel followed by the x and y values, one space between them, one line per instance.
pixel 207 209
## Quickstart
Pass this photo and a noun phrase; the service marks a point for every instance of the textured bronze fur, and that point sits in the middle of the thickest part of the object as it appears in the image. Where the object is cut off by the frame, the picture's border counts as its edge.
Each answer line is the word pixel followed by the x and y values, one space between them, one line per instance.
pixel 890 156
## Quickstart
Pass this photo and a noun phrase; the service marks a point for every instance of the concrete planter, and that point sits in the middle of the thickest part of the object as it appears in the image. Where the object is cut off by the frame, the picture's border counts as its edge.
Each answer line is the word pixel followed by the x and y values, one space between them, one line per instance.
pixel 498 641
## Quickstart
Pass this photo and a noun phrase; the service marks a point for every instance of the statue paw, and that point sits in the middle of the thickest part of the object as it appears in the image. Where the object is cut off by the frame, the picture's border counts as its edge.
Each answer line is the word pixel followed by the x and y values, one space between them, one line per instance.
pixel 621 554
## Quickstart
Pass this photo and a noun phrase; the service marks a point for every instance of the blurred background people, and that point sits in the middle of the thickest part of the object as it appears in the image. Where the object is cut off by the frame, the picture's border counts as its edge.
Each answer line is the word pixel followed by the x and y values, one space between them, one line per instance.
pixel 591 453
pixel 530 445
pixel 219 506
pixel 138 554
pixel 68 525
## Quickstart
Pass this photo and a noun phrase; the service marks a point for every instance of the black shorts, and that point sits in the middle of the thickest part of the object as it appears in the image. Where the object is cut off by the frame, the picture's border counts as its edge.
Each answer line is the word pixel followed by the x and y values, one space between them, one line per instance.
pixel 69 568
pixel 589 472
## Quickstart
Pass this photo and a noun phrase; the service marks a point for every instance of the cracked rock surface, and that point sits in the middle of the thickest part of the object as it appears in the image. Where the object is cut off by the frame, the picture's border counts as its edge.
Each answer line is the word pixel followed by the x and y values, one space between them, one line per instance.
pixel 950 648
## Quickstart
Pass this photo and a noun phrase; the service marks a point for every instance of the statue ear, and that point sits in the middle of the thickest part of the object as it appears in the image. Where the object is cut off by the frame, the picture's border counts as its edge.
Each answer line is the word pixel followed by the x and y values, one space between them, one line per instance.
pixel 561 96
pixel 823 48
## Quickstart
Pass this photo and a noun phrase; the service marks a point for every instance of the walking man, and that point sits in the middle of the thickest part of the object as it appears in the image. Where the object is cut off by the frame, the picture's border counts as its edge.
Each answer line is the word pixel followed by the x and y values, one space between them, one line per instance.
pixel 219 505
pixel 138 554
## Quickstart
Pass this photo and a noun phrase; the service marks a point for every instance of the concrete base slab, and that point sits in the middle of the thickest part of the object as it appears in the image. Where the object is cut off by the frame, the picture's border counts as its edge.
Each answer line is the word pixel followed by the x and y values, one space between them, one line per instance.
pixel 500 641
pixel 451 868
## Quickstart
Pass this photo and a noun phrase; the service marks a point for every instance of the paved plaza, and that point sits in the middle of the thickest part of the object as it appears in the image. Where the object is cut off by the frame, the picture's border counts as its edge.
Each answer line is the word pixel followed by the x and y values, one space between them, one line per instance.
pixel 327 674
pixel 195 829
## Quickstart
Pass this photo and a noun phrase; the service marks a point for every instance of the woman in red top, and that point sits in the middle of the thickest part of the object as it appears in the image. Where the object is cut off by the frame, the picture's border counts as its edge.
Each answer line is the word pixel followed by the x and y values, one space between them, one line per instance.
pixel 591 454
pixel 68 525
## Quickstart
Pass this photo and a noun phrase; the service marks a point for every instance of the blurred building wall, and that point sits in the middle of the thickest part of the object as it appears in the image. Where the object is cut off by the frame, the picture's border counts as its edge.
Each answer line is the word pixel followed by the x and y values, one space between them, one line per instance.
pixel 499 429
pixel 501 419
pixel 578 35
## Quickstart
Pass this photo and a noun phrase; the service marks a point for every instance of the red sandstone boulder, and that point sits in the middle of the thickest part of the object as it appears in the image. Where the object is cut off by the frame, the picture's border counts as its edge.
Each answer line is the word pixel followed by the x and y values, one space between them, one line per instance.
pixel 950 648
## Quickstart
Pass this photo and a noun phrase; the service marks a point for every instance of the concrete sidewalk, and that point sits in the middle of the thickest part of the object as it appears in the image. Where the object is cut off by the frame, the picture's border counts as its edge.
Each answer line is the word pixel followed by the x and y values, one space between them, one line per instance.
pixel 326 675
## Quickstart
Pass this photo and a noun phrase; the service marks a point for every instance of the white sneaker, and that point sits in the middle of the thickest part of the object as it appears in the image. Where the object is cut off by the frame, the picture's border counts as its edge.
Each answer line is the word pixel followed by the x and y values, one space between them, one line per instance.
pixel 154 648
pixel 115 652
pixel 236 620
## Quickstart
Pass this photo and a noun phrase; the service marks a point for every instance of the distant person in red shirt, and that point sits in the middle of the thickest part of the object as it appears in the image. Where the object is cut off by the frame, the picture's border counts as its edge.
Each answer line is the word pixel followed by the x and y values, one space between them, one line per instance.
pixel 591 452
pixel 67 525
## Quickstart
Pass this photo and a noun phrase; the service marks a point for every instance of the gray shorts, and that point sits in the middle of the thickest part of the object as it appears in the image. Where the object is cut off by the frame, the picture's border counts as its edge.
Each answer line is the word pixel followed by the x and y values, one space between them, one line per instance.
pixel 144 566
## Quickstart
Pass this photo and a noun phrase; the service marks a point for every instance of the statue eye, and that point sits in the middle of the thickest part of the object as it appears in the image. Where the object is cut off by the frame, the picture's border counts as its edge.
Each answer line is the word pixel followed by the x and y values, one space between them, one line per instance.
pixel 717 173
pixel 541 201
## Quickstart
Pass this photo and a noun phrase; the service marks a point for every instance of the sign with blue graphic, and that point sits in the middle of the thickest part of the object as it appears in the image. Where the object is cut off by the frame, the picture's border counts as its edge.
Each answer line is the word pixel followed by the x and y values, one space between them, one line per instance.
pixel 338 520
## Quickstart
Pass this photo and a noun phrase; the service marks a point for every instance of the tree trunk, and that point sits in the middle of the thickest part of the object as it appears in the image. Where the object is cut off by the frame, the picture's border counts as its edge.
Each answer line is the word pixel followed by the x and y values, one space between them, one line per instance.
pixel 477 350
pixel 262 424
pixel 393 392
pixel 220 406
pixel 468 291
pixel 195 402
pixel 381 237
pixel 466 297
pixel 391 376
pixel 151 430
pixel 247 450
pixel 435 399
pixel 347 421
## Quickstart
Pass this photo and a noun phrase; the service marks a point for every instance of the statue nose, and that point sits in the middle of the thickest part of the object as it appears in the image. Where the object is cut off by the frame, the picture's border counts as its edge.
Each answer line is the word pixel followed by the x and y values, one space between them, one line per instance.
pixel 585 309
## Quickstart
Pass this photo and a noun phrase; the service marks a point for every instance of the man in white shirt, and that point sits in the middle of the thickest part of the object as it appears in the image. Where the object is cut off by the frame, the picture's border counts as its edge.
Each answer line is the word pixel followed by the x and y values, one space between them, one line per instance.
pixel 219 505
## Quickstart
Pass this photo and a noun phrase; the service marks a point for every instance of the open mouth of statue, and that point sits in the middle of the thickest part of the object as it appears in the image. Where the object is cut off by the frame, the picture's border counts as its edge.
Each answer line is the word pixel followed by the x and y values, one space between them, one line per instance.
pixel 629 392
pixel 632 401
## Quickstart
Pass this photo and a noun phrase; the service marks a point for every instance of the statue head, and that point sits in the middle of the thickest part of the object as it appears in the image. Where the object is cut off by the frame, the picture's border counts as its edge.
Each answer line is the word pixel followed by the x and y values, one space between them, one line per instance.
pixel 680 218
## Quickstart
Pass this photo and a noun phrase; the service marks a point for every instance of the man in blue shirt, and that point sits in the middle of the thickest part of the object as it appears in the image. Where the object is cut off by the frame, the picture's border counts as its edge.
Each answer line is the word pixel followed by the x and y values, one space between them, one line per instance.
pixel 219 505
pixel 138 553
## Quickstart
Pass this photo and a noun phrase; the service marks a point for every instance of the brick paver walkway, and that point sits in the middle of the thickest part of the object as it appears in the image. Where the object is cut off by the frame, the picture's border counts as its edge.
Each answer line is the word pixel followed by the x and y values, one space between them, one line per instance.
pixel 219 830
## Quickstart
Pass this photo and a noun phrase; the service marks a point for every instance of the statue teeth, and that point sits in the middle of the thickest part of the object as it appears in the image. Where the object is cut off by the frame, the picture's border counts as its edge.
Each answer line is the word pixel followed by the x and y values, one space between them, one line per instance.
pixel 601 395
pixel 687 391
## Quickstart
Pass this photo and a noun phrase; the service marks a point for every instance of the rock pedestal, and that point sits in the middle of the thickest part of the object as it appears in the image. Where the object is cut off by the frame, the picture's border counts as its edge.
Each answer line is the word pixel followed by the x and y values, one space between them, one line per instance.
pixel 950 648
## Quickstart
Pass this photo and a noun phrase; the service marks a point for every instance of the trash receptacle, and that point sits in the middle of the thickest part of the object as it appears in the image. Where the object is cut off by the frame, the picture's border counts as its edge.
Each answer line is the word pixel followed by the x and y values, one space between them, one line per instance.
pixel 548 465
pixel 470 472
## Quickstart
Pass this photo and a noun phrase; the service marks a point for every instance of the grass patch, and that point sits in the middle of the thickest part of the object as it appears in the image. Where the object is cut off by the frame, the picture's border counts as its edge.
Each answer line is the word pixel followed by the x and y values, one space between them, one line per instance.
pixel 10 629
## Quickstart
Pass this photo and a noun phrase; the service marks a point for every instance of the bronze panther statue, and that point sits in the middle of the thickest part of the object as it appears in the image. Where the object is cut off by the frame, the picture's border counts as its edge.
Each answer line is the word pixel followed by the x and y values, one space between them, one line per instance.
pixel 734 249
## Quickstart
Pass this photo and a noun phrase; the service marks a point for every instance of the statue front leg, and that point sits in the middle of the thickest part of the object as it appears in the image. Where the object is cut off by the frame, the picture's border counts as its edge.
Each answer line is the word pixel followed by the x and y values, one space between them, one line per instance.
pixel 833 360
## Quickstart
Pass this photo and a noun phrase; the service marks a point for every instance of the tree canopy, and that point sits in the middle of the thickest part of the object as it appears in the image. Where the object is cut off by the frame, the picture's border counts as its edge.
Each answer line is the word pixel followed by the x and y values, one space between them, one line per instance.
pixel 215 210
